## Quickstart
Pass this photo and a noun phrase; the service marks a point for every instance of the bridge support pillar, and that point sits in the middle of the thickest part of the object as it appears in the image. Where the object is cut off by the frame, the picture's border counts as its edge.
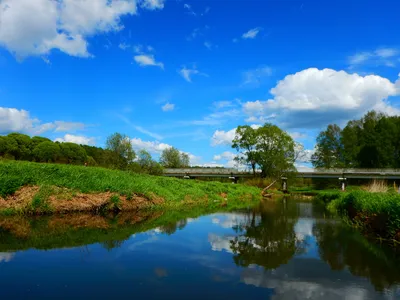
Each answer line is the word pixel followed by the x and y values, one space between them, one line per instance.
pixel 284 184
pixel 342 181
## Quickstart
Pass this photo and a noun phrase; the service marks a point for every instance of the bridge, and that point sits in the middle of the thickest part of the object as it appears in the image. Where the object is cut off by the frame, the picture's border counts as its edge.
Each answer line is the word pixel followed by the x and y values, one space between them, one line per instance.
pixel 234 174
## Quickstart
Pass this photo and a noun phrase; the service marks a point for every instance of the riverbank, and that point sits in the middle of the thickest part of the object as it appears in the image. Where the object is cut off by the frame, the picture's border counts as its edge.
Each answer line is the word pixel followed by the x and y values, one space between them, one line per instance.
pixel 32 188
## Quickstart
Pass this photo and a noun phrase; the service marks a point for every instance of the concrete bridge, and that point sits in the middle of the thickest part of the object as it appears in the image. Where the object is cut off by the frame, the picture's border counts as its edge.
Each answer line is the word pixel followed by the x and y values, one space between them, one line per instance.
pixel 316 173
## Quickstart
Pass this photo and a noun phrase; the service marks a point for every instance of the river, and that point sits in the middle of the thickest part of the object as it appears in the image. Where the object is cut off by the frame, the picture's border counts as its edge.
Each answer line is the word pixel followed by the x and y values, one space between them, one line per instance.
pixel 277 250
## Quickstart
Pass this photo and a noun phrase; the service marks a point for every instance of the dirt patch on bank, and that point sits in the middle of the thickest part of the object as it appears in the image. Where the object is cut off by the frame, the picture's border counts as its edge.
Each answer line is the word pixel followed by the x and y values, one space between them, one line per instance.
pixel 20 199
pixel 63 200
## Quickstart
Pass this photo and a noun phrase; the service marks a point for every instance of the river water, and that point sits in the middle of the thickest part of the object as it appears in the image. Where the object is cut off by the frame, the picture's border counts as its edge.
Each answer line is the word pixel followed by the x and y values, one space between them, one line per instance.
pixel 277 250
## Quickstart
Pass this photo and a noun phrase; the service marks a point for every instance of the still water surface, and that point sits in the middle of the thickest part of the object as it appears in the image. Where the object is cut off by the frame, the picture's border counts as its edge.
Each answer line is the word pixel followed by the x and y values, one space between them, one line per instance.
pixel 278 250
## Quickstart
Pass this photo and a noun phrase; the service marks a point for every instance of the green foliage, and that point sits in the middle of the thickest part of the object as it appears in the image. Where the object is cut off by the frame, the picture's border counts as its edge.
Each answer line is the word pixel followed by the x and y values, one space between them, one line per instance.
pixel 46 152
pixel 121 146
pixel 329 149
pixel 377 213
pixel 173 158
pixel 328 196
pixel 371 142
pixel 120 154
pixel 268 147
pixel 10 183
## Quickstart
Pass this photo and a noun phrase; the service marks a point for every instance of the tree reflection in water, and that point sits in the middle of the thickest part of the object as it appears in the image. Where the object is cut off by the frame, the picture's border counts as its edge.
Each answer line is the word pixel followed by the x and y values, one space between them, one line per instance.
pixel 343 248
pixel 269 240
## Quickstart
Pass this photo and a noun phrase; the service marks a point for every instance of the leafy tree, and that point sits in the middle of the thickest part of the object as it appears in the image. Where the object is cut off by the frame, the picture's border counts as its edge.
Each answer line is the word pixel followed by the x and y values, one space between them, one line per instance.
pixel 47 152
pixel 276 150
pixel 268 147
pixel 173 158
pixel 73 153
pixel 8 147
pixel 23 151
pixel 121 146
pixel 329 150
pixel 144 159
pixel 245 142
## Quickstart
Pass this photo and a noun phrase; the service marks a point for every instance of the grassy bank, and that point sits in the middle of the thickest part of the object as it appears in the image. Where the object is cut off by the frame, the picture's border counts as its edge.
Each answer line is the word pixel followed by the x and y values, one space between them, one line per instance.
pixel 376 214
pixel 32 188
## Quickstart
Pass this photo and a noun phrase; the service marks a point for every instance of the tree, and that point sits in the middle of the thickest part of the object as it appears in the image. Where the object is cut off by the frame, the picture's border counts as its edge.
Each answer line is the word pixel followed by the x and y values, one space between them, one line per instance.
pixel 245 142
pixel 173 158
pixel 121 146
pixel 46 152
pixel 144 159
pixel 329 149
pixel 275 151
pixel 73 153
pixel 23 151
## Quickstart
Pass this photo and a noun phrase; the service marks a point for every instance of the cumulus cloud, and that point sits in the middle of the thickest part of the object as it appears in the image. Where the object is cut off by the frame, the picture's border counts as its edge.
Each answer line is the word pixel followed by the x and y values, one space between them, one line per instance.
pixel 36 27
pixel 154 147
pixel 252 33
pixel 225 155
pixel 313 97
pixel 221 137
pixel 145 60
pixel 77 139
pixel 168 107
pixel 15 120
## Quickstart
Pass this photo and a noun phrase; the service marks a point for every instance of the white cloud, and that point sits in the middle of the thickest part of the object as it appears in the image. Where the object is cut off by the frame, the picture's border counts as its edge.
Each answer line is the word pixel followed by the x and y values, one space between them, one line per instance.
pixel 298 135
pixel 256 76
pixel 15 120
pixel 124 46
pixel 6 256
pixel 153 4
pixel 221 137
pixel 252 33
pixel 380 57
pixel 145 60
pixel 154 147
pixel 187 73
pixel 225 155
pixel 168 107
pixel 68 126
pixel 314 97
pixel 36 27
pixel 82 140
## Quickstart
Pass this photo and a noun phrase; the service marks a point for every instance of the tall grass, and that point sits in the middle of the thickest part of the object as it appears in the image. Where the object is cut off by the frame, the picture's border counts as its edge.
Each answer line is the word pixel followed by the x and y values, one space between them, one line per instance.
pixel 377 186
pixel 15 174
pixel 376 213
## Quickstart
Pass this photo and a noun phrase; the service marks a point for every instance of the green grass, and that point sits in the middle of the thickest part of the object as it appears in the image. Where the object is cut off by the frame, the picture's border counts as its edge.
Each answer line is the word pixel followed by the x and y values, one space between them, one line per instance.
pixel 15 174
pixel 374 213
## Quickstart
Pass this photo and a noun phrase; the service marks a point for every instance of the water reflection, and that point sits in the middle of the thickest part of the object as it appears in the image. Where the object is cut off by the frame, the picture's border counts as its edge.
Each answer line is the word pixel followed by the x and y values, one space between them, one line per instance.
pixel 277 250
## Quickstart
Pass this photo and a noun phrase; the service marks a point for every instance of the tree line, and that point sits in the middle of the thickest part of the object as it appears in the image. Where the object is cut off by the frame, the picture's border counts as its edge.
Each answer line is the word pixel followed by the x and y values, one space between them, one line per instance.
pixel 370 142
pixel 118 153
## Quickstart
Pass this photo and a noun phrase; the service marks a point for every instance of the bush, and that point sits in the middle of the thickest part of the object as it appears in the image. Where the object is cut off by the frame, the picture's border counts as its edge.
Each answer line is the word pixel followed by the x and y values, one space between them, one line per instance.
pixel 327 197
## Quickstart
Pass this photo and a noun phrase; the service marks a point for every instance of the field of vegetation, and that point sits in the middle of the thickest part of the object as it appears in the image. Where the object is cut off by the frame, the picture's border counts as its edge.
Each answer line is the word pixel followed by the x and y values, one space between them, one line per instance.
pixel 33 188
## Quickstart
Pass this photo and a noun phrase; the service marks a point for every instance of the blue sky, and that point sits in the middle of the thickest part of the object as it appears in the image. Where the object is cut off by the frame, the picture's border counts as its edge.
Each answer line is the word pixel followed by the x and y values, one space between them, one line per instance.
pixel 187 73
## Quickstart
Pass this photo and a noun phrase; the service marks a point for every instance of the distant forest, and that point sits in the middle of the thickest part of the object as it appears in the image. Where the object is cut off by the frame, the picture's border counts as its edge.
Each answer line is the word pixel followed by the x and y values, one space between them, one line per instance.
pixel 118 153
pixel 370 142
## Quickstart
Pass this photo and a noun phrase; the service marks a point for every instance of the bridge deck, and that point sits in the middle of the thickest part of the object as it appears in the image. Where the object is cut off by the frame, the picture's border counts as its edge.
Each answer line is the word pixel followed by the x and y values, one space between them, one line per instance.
pixel 317 173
